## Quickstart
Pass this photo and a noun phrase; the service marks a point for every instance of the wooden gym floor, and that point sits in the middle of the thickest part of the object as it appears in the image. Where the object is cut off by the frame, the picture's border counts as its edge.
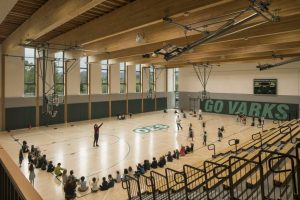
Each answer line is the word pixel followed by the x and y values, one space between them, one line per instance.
pixel 120 147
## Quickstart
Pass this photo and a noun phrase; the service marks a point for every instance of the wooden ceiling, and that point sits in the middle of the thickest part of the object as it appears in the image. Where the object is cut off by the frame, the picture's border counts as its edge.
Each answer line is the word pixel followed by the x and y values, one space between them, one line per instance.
pixel 22 11
pixel 108 30
pixel 98 11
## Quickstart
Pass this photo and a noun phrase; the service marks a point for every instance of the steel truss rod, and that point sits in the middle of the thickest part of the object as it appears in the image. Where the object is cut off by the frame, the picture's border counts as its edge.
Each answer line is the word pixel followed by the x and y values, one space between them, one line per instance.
pixel 202 73
pixel 269 66
pixel 256 8
pixel 228 26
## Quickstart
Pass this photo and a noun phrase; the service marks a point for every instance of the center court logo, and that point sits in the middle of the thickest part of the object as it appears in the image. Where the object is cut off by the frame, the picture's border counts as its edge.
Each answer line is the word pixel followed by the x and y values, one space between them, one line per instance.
pixel 152 128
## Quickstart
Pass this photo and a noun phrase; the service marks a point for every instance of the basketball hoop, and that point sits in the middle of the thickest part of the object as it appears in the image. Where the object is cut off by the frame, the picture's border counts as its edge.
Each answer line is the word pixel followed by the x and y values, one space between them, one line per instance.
pixel 53 102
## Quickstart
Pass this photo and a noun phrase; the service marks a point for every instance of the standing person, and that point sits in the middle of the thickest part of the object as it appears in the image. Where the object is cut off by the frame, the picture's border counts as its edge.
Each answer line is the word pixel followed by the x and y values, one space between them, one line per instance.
pixel 219 134
pixel 31 174
pixel 191 132
pixel 96 134
pixel 178 123
pixel 204 138
pixel 21 157
pixel 200 114
pixel 203 125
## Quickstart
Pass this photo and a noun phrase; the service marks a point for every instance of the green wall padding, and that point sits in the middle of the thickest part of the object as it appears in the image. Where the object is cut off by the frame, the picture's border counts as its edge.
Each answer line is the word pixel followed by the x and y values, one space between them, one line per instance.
pixel 100 110
pixel 77 112
pixel 149 105
pixel 118 107
pixel 161 103
pixel 278 111
pixel 135 106
pixel 20 117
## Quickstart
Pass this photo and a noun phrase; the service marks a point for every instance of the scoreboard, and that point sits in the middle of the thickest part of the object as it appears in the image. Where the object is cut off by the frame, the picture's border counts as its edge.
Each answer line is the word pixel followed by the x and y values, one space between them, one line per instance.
pixel 265 86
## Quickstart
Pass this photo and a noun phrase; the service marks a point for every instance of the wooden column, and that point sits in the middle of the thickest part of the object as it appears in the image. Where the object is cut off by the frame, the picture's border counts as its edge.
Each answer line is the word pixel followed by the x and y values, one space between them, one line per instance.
pixel 90 91
pixel 3 92
pixel 109 90
pixel 127 83
pixel 66 94
pixel 167 86
pixel 37 98
pixel 154 88
pixel 142 87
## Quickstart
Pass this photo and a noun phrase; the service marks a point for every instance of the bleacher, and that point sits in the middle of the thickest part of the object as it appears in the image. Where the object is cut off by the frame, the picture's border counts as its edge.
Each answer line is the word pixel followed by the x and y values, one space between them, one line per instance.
pixel 265 167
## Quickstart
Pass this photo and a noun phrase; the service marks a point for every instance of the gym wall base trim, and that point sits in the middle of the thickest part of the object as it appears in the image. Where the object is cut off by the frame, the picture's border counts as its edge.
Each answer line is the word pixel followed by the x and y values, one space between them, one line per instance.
pixel 24 117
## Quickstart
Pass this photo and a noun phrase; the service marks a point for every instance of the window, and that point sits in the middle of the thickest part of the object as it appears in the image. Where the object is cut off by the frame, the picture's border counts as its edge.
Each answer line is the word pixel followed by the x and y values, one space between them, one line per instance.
pixel 59 73
pixel 151 78
pixel 138 78
pixel 104 76
pixel 29 72
pixel 176 79
pixel 122 77
pixel 84 75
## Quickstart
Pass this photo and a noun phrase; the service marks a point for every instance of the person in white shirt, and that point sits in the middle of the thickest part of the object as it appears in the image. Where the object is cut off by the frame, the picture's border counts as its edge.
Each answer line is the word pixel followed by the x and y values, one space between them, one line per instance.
pixel 83 187
pixel 178 122
pixel 94 184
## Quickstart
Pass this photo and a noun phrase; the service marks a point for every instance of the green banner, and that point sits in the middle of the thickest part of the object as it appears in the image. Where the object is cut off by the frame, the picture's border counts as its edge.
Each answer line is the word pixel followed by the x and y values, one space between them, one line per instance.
pixel 278 111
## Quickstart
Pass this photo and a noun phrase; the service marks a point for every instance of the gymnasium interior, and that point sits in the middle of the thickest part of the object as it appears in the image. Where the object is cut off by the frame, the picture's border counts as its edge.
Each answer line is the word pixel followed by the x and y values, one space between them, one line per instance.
pixel 93 93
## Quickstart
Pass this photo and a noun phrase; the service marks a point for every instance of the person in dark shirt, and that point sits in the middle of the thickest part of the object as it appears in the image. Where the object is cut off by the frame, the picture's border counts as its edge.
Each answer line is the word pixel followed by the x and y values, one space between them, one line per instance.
pixel 96 134
pixel 104 185
pixel 111 182
pixel 70 188
pixel 169 157
pixel 50 167
pixel 154 163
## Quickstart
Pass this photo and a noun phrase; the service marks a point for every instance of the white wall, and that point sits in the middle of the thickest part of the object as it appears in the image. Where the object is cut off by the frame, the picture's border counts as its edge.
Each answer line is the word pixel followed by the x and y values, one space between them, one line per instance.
pixel 238 79
pixel 171 80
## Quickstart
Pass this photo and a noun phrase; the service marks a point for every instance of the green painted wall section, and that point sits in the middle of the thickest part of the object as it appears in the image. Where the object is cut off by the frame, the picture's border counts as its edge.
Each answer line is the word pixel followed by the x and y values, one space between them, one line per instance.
pixel 161 103
pixel 279 111
pixel 100 110
pixel 135 106
pixel 58 119
pixel 77 112
pixel 118 107
pixel 20 117
pixel 149 105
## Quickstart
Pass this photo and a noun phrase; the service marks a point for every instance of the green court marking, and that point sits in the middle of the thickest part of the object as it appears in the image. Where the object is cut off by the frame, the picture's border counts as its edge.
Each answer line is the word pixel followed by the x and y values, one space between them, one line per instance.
pixel 152 128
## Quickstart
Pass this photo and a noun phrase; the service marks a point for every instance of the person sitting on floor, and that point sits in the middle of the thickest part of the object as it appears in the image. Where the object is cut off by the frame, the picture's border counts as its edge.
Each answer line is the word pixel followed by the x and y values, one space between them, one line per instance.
pixel 182 151
pixel 169 157
pixel 83 187
pixel 70 188
pixel 111 182
pixel 58 170
pixel 154 163
pixel 130 171
pixel 64 176
pixel 118 177
pixel 125 174
pixel 25 147
pixel 104 185
pixel 187 149
pixel 140 169
pixel 30 159
pixel 94 184
pixel 146 165
pixel 50 167
pixel 161 162
pixel 44 163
